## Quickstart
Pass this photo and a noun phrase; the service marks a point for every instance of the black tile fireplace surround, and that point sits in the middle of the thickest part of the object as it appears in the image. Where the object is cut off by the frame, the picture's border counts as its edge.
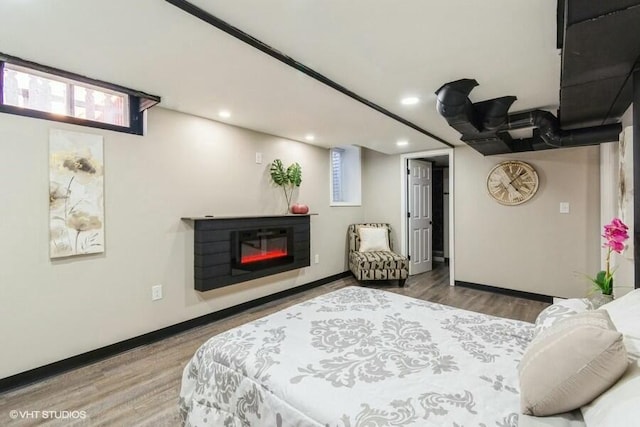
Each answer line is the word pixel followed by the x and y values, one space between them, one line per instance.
pixel 237 249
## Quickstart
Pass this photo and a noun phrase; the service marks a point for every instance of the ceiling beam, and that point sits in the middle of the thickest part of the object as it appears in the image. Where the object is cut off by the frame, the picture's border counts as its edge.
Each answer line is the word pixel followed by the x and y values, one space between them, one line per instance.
pixel 274 53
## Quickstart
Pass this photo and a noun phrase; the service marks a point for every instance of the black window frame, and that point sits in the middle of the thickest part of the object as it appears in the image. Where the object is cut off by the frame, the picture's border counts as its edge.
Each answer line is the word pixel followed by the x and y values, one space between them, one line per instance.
pixel 139 101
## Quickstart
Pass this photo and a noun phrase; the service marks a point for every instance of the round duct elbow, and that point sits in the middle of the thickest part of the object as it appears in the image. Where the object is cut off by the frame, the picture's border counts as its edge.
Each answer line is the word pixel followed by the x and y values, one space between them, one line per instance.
pixel 451 103
pixel 453 98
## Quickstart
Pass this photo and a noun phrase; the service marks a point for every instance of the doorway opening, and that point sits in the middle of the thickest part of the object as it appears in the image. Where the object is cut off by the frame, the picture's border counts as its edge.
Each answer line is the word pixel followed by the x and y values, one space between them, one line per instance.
pixel 427 206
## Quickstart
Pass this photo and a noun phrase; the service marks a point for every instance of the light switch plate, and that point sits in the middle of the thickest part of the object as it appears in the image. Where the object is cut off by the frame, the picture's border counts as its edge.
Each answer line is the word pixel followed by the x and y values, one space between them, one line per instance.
pixel 564 207
pixel 259 158
pixel 156 292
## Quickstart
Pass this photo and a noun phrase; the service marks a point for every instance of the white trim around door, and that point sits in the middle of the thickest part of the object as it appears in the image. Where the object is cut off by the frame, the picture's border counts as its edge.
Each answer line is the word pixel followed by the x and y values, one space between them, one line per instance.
pixel 403 203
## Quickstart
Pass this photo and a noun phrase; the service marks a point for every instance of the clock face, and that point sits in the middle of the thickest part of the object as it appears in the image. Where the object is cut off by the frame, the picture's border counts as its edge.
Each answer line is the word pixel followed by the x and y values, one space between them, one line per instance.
pixel 512 182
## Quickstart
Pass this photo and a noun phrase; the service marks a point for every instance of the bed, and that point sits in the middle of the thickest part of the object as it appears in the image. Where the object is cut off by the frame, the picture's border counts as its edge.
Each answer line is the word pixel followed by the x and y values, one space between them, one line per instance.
pixel 360 357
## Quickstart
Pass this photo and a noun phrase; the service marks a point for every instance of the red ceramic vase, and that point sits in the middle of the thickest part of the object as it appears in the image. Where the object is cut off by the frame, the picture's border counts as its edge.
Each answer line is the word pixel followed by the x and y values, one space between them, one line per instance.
pixel 299 208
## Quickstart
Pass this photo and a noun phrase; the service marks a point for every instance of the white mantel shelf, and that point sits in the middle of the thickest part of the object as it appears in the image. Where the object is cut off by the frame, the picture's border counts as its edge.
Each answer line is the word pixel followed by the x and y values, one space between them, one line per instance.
pixel 214 217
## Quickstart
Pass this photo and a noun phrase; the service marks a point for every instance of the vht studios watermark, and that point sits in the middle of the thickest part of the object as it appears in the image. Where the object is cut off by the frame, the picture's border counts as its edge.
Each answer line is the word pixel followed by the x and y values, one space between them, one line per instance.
pixel 16 414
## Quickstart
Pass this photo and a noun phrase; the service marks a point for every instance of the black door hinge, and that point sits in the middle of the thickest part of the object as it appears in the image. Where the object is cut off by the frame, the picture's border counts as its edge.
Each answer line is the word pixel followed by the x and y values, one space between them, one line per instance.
pixel 408 214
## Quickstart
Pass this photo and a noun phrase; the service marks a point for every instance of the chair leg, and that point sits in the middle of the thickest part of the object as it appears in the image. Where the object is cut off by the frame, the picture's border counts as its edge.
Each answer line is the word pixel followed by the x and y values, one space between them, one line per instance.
pixel 401 282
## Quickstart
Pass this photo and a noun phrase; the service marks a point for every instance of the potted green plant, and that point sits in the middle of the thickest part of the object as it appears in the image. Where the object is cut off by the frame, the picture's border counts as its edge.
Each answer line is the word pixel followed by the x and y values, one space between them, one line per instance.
pixel 288 178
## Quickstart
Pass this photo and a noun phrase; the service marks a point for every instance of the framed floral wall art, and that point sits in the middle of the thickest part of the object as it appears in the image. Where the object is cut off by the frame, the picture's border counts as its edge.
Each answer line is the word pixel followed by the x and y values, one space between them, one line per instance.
pixel 76 194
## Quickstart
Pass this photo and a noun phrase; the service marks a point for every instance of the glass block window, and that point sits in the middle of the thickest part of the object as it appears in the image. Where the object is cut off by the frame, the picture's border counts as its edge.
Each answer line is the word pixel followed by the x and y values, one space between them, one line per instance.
pixel 345 177
pixel 336 174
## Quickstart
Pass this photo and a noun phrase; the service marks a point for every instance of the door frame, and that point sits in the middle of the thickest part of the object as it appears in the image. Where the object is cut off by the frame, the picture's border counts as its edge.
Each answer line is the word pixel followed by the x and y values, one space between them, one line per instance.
pixel 404 241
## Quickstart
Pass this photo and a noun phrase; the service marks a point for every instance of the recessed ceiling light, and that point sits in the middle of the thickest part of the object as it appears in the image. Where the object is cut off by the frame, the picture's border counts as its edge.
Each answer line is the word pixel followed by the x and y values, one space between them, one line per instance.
pixel 224 114
pixel 402 143
pixel 410 100
pixel 309 137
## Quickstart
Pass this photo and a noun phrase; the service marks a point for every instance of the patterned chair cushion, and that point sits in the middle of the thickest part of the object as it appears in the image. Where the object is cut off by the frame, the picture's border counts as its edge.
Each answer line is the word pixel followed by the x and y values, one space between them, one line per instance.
pixel 380 274
pixel 378 260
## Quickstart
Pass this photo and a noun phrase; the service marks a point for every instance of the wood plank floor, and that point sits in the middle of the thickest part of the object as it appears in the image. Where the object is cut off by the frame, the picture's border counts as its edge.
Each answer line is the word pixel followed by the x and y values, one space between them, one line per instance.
pixel 140 387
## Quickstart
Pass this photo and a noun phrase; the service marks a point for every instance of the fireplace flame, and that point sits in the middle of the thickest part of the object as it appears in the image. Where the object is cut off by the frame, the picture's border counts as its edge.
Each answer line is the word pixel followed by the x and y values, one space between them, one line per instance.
pixel 276 253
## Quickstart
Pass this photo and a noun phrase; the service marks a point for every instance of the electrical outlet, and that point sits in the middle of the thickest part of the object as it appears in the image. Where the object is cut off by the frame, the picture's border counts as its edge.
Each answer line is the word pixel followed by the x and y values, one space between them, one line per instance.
pixel 316 259
pixel 259 158
pixel 156 292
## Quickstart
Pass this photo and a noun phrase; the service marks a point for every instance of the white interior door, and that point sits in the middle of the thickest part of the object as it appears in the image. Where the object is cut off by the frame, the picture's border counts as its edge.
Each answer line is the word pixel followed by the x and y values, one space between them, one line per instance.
pixel 420 220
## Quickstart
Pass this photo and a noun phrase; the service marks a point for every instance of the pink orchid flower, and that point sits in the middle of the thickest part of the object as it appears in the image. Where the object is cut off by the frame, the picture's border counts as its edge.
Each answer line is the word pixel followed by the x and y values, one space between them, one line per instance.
pixel 615 234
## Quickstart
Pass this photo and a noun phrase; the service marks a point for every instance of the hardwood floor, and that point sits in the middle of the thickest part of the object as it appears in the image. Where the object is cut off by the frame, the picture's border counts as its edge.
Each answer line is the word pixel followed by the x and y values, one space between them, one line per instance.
pixel 140 387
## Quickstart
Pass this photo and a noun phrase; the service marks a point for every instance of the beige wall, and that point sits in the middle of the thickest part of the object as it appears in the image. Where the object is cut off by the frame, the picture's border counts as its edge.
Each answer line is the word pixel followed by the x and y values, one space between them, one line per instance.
pixel 531 247
pixel 50 310
pixel 381 174
pixel 627 117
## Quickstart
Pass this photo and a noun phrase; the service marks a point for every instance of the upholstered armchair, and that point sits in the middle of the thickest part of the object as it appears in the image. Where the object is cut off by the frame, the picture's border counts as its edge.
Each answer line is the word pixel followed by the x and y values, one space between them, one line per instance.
pixel 371 256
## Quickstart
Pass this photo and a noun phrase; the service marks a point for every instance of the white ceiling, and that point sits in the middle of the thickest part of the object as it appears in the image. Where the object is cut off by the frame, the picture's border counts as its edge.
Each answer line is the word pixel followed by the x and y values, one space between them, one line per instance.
pixel 380 49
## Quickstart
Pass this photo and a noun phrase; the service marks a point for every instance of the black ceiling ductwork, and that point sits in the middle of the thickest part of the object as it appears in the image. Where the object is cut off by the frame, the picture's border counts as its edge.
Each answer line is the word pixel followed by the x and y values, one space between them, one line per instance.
pixel 600 45
pixel 485 125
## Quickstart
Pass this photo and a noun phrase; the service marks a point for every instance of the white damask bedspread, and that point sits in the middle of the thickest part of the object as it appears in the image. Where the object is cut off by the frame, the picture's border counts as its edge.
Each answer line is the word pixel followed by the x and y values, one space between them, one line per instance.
pixel 359 357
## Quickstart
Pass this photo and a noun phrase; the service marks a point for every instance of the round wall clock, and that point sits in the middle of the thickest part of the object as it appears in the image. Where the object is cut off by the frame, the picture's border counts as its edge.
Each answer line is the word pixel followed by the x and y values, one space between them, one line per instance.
pixel 512 182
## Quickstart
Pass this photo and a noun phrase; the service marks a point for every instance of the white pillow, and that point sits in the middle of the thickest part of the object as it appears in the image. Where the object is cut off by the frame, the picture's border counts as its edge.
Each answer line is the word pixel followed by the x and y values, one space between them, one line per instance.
pixel 559 310
pixel 570 364
pixel 618 406
pixel 625 315
pixel 374 239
